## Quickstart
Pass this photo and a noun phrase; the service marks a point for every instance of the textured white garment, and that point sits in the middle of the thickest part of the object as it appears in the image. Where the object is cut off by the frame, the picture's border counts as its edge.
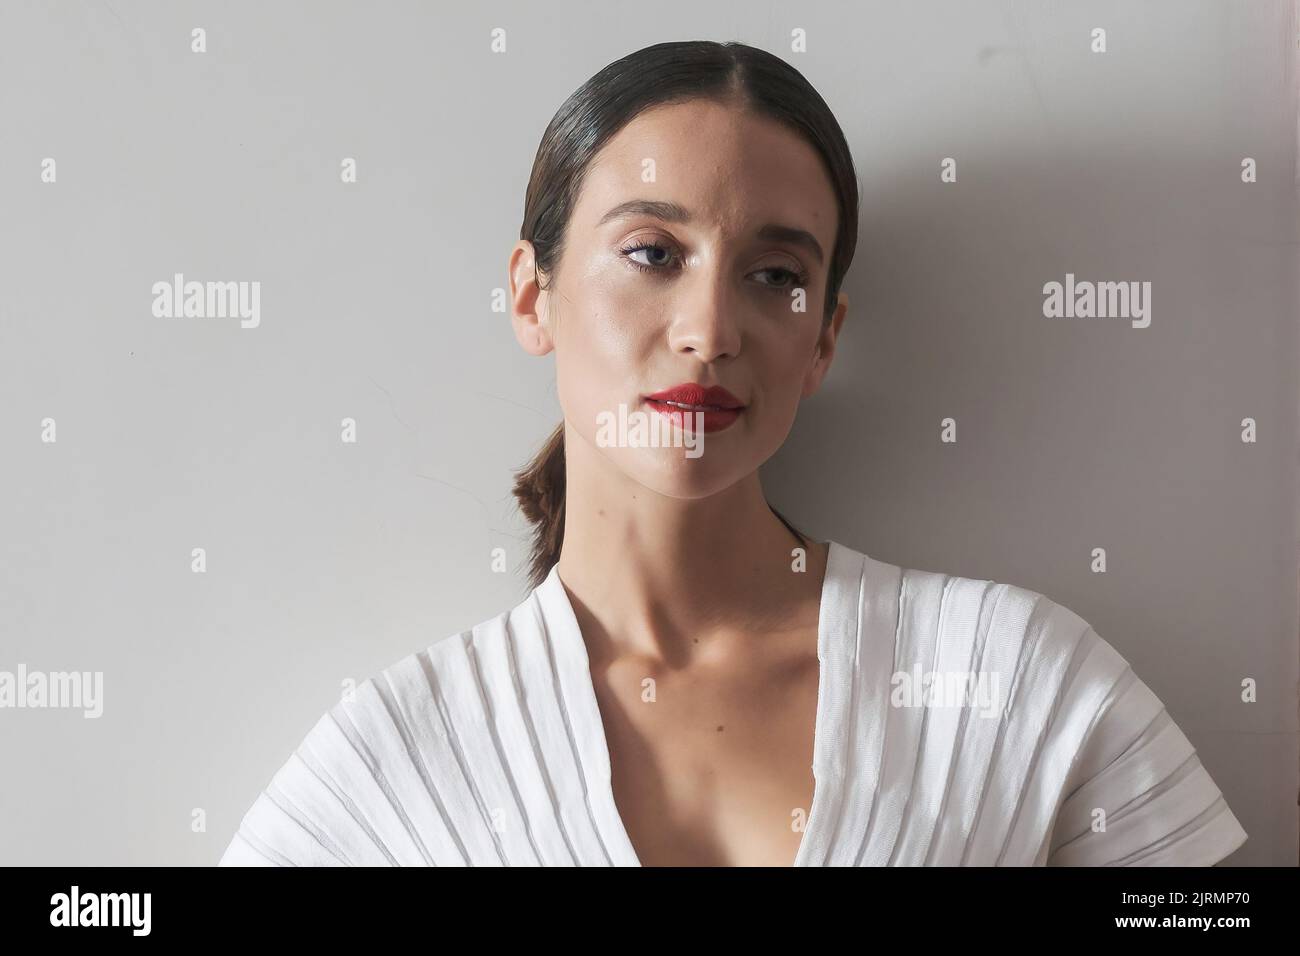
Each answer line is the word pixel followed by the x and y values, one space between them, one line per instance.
pixel 488 749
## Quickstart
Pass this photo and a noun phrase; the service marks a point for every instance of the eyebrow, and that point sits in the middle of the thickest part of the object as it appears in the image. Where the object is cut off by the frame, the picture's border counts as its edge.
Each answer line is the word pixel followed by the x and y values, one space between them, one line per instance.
pixel 675 212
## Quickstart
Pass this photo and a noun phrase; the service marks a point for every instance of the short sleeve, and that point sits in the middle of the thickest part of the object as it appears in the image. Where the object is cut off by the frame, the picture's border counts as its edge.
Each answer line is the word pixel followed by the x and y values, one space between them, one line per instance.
pixel 306 815
pixel 1138 794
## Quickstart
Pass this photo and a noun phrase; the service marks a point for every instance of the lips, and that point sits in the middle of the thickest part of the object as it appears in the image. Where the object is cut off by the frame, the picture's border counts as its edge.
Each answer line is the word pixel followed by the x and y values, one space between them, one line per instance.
pixel 714 407
pixel 697 397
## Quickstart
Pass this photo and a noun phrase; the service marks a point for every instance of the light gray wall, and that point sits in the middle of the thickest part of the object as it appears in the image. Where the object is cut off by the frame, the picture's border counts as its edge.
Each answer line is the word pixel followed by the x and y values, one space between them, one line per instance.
pixel 328 561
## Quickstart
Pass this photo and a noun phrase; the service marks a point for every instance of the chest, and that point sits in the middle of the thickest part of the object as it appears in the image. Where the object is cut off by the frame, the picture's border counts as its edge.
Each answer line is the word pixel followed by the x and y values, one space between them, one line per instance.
pixel 711 765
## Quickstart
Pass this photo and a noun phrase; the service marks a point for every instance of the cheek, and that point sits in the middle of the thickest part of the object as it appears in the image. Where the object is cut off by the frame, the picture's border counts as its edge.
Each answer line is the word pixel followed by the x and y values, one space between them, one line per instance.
pixel 604 335
pixel 602 312
pixel 779 361
pixel 783 346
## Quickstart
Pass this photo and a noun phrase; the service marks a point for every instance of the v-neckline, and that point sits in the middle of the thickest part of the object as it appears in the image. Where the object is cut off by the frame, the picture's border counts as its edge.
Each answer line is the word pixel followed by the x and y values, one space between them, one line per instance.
pixel 837 633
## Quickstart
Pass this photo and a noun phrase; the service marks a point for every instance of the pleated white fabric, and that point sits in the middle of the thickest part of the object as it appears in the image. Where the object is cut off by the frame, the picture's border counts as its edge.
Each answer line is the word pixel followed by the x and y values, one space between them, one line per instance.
pixel 488 749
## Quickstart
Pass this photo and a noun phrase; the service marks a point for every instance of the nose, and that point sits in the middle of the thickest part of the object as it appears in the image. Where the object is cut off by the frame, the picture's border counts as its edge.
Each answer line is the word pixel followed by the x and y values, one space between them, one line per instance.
pixel 706 321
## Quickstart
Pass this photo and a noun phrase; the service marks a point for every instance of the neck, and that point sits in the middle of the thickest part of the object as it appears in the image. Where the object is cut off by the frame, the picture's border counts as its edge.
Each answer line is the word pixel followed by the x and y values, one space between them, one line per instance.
pixel 653 573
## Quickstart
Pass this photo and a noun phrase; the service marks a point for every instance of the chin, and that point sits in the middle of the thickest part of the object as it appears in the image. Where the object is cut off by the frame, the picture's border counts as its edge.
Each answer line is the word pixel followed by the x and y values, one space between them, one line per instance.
pixel 666 471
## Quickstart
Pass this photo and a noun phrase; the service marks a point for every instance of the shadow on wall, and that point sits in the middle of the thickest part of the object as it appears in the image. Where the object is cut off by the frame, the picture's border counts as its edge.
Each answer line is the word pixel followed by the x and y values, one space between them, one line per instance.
pixel 1075 434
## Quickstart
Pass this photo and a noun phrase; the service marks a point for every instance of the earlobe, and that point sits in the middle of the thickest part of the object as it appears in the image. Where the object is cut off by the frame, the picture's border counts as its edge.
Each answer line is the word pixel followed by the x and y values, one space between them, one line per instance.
pixel 533 335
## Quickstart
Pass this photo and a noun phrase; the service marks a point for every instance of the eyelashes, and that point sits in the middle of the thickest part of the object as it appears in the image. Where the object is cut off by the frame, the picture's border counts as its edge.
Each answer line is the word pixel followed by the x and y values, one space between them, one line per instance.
pixel 797 278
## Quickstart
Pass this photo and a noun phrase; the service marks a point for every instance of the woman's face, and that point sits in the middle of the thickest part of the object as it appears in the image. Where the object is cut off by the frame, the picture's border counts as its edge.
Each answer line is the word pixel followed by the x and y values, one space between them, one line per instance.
pixel 698 288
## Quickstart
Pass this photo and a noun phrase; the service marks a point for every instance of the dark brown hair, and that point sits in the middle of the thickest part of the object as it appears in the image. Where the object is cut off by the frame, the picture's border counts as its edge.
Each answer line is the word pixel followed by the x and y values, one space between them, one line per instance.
pixel 654 76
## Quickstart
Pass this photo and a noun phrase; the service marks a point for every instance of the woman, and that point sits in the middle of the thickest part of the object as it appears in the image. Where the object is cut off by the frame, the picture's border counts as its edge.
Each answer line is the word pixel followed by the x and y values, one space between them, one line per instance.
pixel 686 657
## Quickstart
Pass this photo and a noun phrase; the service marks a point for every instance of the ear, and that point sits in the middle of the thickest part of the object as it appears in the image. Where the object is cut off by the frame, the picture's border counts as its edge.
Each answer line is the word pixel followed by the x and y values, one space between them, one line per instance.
pixel 528 301
pixel 825 350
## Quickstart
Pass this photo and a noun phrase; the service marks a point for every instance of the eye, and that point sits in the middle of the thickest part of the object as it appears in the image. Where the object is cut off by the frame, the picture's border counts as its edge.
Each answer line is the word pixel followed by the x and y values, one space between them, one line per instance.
pixel 787 278
pixel 660 256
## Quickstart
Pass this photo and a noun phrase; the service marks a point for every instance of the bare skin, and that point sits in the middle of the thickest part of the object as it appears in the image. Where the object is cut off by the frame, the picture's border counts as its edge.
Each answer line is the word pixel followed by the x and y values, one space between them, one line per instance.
pixel 716 770
pixel 676 568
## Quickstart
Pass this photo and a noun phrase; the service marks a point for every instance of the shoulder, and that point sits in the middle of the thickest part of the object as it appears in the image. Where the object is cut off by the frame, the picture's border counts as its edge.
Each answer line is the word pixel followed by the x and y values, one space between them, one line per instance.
pixel 1089 746
pixel 1019 632
pixel 378 778
pixel 1040 661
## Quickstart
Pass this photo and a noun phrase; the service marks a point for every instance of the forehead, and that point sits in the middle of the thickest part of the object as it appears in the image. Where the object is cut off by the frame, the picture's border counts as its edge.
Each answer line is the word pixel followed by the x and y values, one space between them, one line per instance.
pixel 730 167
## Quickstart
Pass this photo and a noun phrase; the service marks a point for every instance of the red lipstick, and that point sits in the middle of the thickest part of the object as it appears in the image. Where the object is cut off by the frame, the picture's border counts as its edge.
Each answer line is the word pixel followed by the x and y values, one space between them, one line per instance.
pixel 718 407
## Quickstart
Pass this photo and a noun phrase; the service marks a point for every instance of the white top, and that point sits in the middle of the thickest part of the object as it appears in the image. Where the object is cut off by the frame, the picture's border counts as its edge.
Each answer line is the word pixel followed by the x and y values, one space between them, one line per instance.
pixel 488 748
